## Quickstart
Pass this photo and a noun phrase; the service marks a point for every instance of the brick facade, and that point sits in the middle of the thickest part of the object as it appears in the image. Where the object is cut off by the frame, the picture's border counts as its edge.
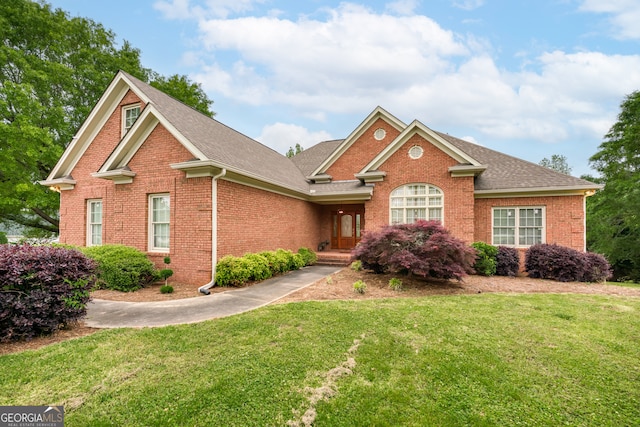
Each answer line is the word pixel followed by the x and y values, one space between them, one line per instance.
pixel 253 220
pixel 361 152
pixel 250 219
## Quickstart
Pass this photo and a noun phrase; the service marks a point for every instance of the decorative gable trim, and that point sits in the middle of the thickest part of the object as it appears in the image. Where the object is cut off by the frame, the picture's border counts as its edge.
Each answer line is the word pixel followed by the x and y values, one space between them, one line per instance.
pixel 468 165
pixel 118 176
pixel 96 120
pixel 378 113
pixel 60 184
pixel 137 135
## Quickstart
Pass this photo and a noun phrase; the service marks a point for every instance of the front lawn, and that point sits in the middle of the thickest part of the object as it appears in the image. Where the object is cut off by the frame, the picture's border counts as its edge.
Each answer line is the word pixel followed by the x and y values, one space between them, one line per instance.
pixel 488 359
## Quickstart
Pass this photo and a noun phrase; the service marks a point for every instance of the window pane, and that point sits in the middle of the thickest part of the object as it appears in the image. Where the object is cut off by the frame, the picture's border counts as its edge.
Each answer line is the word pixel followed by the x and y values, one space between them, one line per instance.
pixel 131 114
pixel 414 215
pixel 358 226
pixel 435 214
pixel 397 202
pixel 96 234
pixel 435 201
pixel 161 235
pixel 409 202
pixel 161 209
pixel 416 201
pixel 396 216
pixel 346 226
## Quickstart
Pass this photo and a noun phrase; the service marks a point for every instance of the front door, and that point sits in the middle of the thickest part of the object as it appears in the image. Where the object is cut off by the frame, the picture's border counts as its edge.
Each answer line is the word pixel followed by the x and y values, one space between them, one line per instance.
pixel 347 229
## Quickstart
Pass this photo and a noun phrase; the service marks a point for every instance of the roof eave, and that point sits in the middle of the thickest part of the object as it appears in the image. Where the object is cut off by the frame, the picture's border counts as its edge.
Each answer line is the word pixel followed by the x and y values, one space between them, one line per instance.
pixel 458 171
pixel 578 190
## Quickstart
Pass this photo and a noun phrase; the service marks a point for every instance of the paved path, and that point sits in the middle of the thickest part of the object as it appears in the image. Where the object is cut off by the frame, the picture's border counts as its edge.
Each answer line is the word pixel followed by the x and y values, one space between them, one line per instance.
pixel 119 314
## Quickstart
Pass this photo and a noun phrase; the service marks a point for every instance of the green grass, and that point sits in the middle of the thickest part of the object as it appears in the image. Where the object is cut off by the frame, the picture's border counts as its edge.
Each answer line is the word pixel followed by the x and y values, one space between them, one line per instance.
pixel 481 360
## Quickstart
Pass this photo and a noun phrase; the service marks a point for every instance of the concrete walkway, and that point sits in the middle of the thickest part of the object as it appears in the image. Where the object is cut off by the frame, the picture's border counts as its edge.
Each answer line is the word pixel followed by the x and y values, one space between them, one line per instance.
pixel 119 314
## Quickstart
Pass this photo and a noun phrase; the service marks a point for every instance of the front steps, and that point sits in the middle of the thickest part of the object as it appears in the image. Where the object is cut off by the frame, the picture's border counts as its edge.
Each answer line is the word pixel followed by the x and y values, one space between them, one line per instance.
pixel 333 258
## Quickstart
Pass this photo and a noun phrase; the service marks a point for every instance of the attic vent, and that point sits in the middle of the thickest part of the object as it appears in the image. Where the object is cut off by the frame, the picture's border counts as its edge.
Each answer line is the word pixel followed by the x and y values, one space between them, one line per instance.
pixel 415 152
pixel 379 134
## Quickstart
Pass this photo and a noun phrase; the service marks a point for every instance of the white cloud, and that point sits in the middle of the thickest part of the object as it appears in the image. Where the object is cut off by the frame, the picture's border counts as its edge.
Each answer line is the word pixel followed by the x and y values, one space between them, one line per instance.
pixel 624 15
pixel 353 59
pixel 468 4
pixel 402 7
pixel 281 136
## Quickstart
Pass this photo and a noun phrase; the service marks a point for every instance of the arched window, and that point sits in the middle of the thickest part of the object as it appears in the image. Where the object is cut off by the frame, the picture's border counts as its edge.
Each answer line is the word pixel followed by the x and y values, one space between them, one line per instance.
pixel 413 202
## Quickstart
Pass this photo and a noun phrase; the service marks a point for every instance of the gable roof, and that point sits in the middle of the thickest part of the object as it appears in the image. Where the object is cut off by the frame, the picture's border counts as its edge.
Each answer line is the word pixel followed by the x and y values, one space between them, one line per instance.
pixel 207 139
pixel 377 113
pixel 216 147
pixel 508 174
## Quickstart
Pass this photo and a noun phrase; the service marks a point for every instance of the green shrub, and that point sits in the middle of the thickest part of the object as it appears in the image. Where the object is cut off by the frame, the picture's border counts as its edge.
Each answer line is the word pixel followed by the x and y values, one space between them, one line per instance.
pixel 165 273
pixel 360 287
pixel 121 268
pixel 293 261
pixel 356 265
pixel 3 238
pixel 258 266
pixel 395 284
pixel 485 258
pixel 166 289
pixel 309 257
pixel 231 271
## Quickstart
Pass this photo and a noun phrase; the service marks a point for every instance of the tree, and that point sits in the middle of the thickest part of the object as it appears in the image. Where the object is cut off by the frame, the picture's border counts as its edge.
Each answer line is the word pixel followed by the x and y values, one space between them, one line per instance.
pixel 613 213
pixel 298 150
pixel 53 69
pixel 558 163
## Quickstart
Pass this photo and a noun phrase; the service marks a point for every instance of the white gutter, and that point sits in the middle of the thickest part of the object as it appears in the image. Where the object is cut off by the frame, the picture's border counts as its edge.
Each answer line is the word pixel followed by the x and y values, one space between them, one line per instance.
pixel 214 231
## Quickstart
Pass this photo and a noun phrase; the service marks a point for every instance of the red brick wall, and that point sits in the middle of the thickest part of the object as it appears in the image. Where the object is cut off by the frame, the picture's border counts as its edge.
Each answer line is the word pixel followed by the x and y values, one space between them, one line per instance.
pixel 253 220
pixel 361 152
pixel 125 206
pixel 564 218
pixel 431 168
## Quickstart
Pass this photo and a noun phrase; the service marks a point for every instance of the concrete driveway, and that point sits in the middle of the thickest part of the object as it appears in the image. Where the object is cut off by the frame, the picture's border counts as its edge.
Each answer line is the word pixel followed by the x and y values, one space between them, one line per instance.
pixel 119 314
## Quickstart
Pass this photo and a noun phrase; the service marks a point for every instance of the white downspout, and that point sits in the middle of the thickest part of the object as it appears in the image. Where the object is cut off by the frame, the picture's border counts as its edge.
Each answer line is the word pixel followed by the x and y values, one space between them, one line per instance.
pixel 214 231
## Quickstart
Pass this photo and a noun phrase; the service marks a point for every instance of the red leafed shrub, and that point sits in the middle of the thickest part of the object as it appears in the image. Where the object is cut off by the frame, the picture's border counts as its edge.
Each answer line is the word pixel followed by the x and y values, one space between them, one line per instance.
pixel 597 268
pixel 564 264
pixel 507 261
pixel 424 248
pixel 42 288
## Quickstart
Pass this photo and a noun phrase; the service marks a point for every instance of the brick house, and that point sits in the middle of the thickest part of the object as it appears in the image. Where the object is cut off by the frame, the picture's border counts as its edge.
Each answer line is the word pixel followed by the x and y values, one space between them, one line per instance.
pixel 147 171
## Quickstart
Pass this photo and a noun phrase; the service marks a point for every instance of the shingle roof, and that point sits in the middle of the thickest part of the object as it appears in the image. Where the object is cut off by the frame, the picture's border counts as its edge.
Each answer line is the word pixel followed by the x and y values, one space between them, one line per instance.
pixel 309 159
pixel 236 151
pixel 224 145
pixel 506 172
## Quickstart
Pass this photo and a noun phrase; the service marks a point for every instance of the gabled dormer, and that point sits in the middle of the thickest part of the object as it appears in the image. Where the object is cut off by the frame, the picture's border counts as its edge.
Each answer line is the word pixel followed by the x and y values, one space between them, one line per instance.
pixel 467 165
pixel 371 136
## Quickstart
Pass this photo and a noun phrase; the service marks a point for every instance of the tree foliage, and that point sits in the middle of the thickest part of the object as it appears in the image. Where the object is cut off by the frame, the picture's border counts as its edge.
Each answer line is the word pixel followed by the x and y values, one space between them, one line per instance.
pixel 613 213
pixel 292 152
pixel 558 163
pixel 53 69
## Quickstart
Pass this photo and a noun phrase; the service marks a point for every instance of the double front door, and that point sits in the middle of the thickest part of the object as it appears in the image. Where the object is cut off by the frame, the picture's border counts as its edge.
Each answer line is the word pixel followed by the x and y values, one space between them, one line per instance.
pixel 347 228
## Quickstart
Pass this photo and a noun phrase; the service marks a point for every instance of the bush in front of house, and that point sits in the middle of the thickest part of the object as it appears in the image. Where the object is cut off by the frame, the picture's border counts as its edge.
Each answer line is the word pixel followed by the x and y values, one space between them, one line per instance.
pixel 485 264
pixel 42 289
pixel 597 268
pixel 424 248
pixel 308 256
pixel 555 262
pixel 3 238
pixel 238 271
pixel 122 268
pixel 507 261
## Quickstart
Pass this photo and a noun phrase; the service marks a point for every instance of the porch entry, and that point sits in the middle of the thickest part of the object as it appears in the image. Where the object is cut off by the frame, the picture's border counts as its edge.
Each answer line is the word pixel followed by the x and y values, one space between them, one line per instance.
pixel 347 228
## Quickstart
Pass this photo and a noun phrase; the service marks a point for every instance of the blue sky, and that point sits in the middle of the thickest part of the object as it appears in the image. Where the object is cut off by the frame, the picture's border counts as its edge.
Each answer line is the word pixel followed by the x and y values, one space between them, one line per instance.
pixel 528 78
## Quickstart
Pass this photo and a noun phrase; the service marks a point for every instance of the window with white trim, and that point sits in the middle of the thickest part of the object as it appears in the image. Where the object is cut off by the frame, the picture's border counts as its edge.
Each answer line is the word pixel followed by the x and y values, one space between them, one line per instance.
pixel 413 202
pixel 518 226
pixel 159 215
pixel 130 114
pixel 94 222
